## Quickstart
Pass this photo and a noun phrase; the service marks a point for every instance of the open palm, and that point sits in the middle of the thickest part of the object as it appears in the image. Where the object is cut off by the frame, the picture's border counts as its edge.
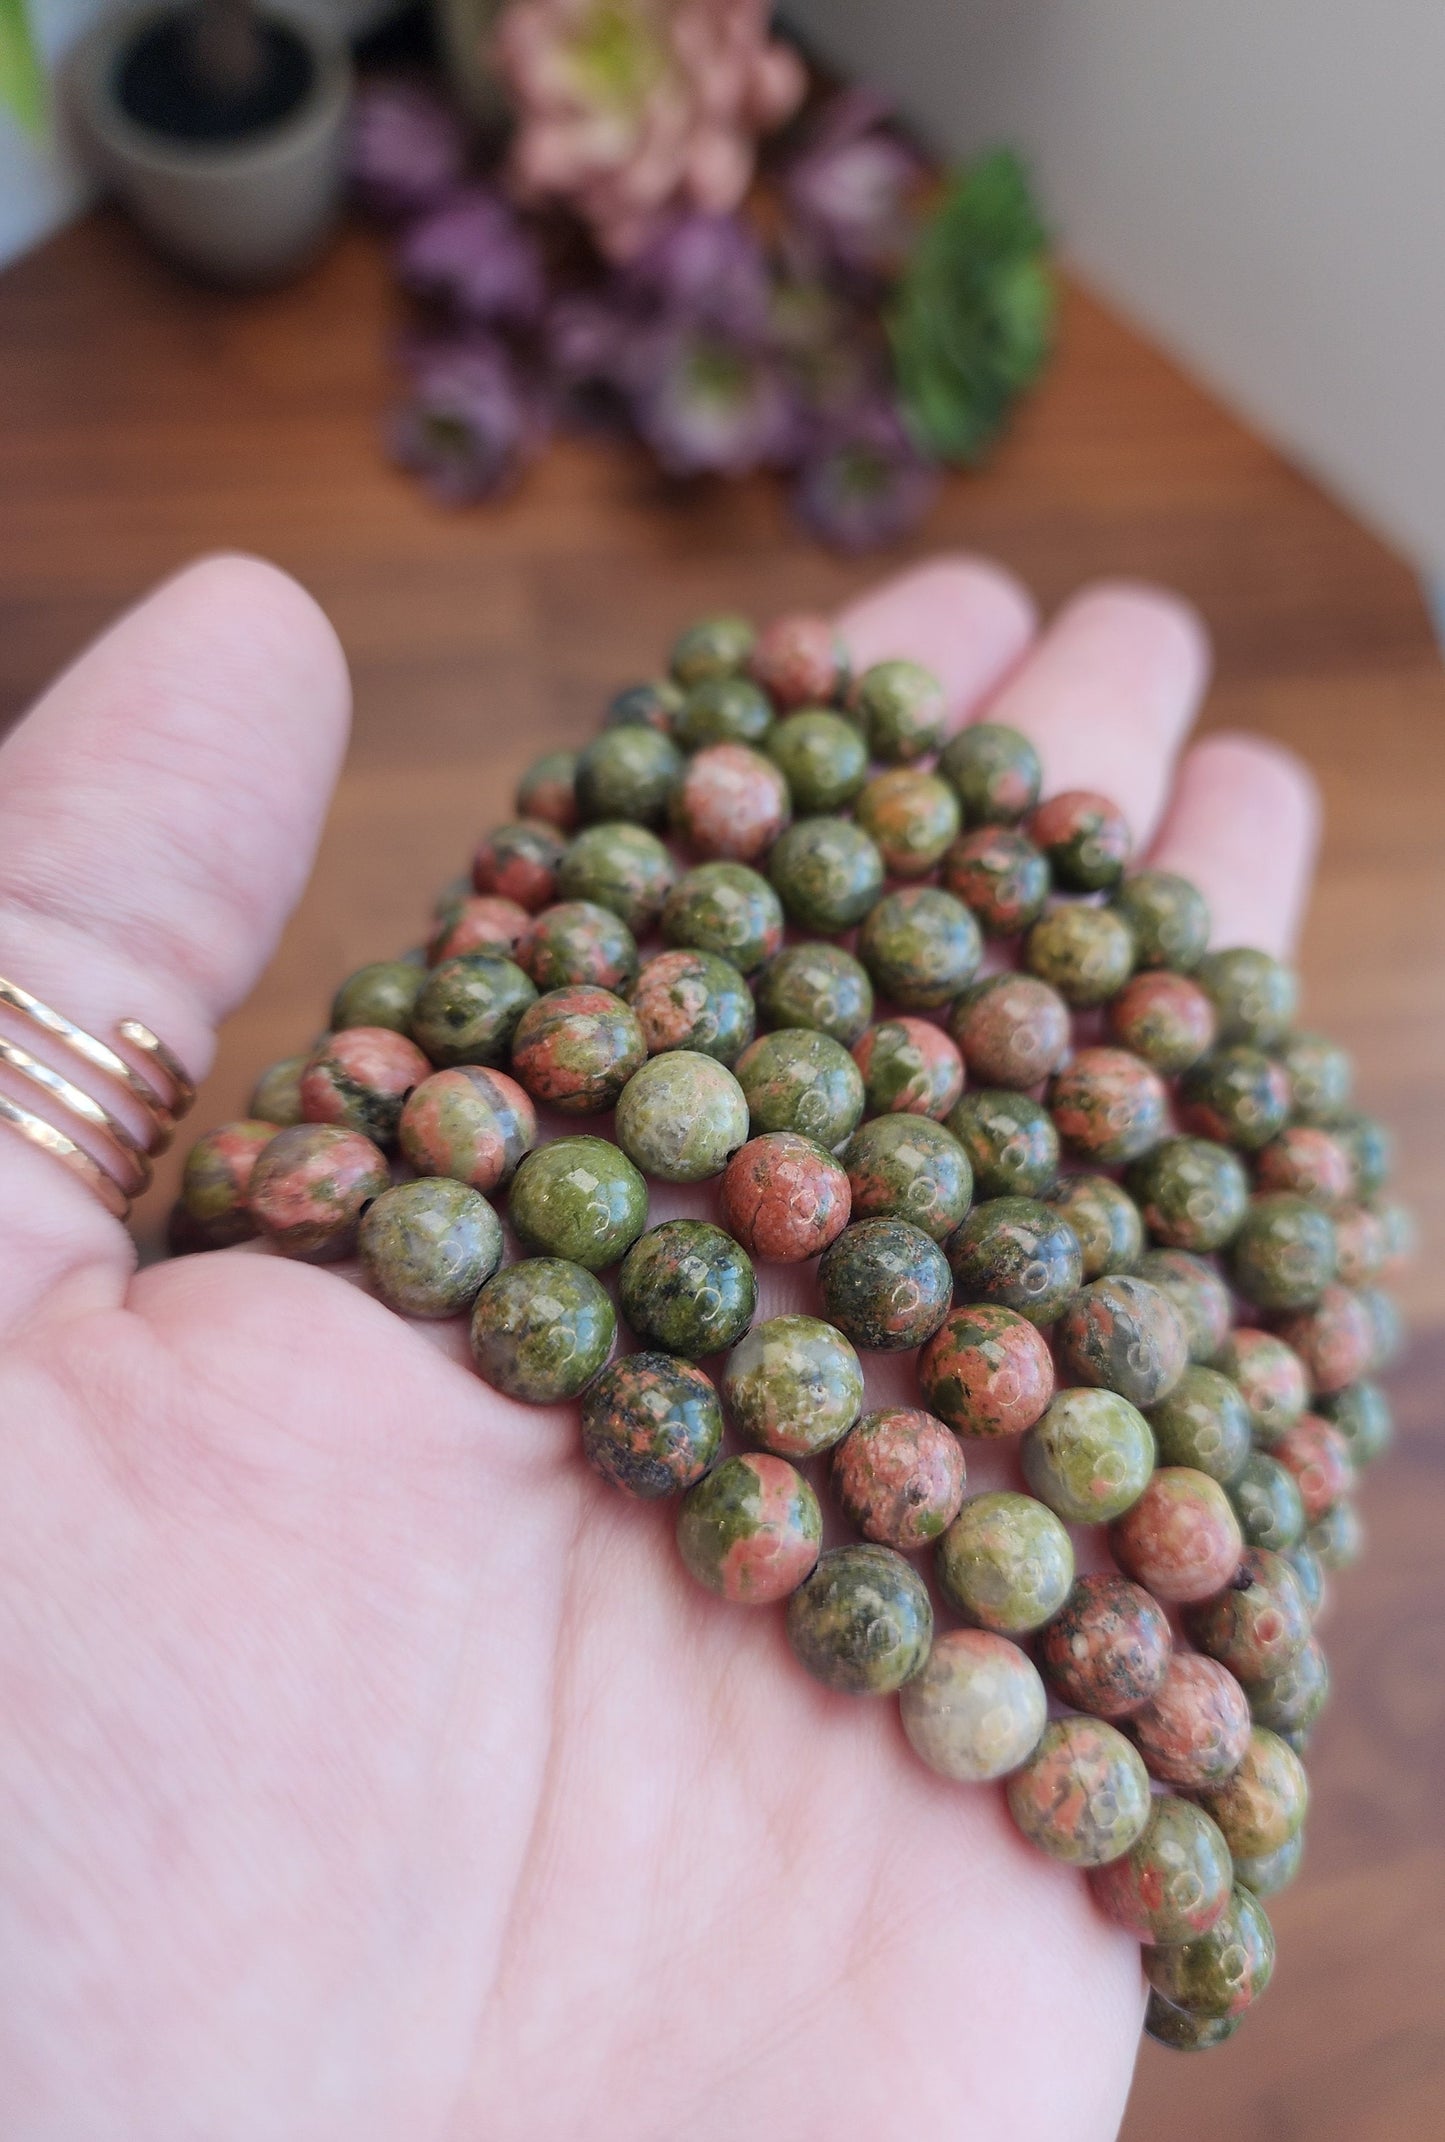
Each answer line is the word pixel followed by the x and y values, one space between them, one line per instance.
pixel 368 1769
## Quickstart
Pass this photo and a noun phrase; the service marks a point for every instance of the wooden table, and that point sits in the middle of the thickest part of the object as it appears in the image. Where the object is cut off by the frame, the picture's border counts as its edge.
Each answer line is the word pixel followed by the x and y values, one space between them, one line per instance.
pixel 142 420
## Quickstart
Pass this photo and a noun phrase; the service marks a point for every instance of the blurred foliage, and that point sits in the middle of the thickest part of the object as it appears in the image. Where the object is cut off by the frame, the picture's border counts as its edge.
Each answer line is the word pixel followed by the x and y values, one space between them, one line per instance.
pixel 22 81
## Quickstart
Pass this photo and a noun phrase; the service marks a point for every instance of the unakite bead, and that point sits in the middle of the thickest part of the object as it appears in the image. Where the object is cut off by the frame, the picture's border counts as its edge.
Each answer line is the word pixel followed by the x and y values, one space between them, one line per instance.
pixel 469 1123
pixel 885 1284
pixel 1012 1028
pixel 468 1008
pixel 682 1117
pixel 277 1096
pixel 1361 1413
pixel 724 908
pixel 910 816
pixel 730 803
pixel 1194 1730
pixel 217 1178
pixel 1263 1803
pixel 1000 876
pixel 1223 1972
pixel 547 790
pixel 1313 1163
pixel 827 872
pixel 1370 1146
pixel 1005 1563
pixel 1362 1244
pixel 577 942
pixel 723 710
pixel 909 1066
pixel 380 994
pixel 1169 918
pixel 1192 1193
pixel 627 774
pixel 1085 953
pixel 687 1288
pixel 1185 2033
pixel 1283 1256
pixel 428 1247
pixel 994 771
pixel 310 1185
pixel 694 1000
pixel 1010 1141
pixel 1337 1539
pixel 1335 1339
pixel 1267 1503
pixel 1108 1106
pixel 1083 1795
pixel 541 1330
pixel 1310 1576
pixel 1180 1537
pixel 1254 995
pixel 921 946
pixel 621 867
pixel 899 1475
pixel 986 1371
pixel 977 1709
pixel 1107 1649
pixel 1270 1872
pixel 799 660
pixel 651 1425
pixel 794 1386
pixel 1319 1459
pixel 1124 1335
pixel 899 706
pixel 714 647
pixel 751 1529
pixel 520 863
pixel 579 1199
pixel 817 986
pixel 1290 1699
pixel 823 759
pixel 1175 1882
pixel 482 922
pixel 1259 1623
pixel 784 1197
pixel 1204 1423
pixel 1019 1254
pixel 910 1168
pixel 360 1078
pixel 1197 1292
pixel 1321 1077
pixel 797 1079
pixel 1090 1456
pixel 1086 840
pixel 1105 1222
pixel 1164 1017
pixel 653 703
pixel 861 1622
pixel 1237 1095
pixel 1387 1325
pixel 575 1049
pixel 1270 1377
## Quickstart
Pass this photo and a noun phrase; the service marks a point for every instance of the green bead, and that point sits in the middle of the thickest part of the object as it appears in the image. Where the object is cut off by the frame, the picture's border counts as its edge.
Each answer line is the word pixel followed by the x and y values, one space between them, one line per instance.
pixel 428 1247
pixel 575 1049
pixel 1005 1563
pixel 547 790
pixel 1086 840
pixel 651 1425
pixel 1085 953
pixel 911 817
pixel 977 1709
pixel 861 1623
pixel 1019 1254
pixel 1270 1872
pixel 681 1117
pixel 1175 1883
pixel 1254 995
pixel 578 1199
pixel 653 703
pixel 1362 1414
pixel 1192 1193
pixel 381 994
pixel 921 946
pixel 693 1000
pixel 1220 1973
pixel 800 1080
pixel 1267 1503
pixel 885 1284
pixel 1371 1148
pixel 905 1167
pixel 621 867
pixel 687 1288
pixel 468 1009
pixel 1105 1222
pixel 1010 1141
pixel 1258 1625
pixel 827 873
pixel 900 708
pixel 994 771
pixel 1262 1805
pixel 1321 1078
pixel 1185 2033
pixel 1309 1575
pixel 277 1095
pixel 724 908
pixel 1270 1378
pixel 541 1330
pixel 1284 1254
pixel 1237 1095
pixel 1337 1538
pixel 794 1386
pixel 1169 918
pixel 217 1180
pixel 577 943
pixel 1291 1699
pixel 1387 1328
pixel 1090 1456
pixel 1203 1423
pixel 823 759
pixel 819 986
pixel 627 774
pixel 1083 1795
pixel 1000 876
pixel 723 710
pixel 751 1529
pixel 1197 1292
pixel 909 1066
pixel 713 647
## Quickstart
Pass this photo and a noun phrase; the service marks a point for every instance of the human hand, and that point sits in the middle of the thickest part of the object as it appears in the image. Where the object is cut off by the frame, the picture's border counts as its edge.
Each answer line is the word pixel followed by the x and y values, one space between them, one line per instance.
pixel 367 1767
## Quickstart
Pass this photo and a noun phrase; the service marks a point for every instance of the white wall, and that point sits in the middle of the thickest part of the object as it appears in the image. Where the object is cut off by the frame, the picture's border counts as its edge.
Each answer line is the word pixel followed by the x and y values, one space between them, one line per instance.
pixel 1260 182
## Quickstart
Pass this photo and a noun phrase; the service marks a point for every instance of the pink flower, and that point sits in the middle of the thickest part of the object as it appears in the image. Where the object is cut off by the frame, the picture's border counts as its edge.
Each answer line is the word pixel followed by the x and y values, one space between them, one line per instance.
pixel 849 187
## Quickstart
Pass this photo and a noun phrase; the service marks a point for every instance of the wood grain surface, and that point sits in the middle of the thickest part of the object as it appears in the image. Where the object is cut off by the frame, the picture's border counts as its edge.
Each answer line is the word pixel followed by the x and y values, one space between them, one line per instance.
pixel 143 420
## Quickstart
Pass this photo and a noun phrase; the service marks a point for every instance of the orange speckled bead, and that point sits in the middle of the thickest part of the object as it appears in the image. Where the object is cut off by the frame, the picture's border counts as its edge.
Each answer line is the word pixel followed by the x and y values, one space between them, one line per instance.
pixel 1181 1539
pixel 1318 1456
pixel 1335 1339
pixel 731 803
pixel 784 1198
pixel 987 1371
pixel 483 922
pixel 1195 1731
pixel 899 1475
pixel 360 1077
pixel 1312 1163
pixel 1013 1030
pixel 1165 1018
pixel 1083 1795
pixel 1175 1883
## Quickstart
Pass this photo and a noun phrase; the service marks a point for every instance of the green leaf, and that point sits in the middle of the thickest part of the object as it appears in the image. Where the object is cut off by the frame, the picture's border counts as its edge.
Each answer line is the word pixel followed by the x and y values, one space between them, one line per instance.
pixel 22 79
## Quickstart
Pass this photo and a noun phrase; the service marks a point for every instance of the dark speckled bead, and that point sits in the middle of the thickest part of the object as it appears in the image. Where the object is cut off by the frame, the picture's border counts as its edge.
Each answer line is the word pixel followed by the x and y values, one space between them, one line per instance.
pixel 1090 1456
pixel 1085 953
pixel 719 646
pixel 682 1117
pixel 1237 1095
pixel 904 1167
pixel 1267 1503
pixel 1254 995
pixel 217 1178
pixel 911 817
pixel 899 706
pixel 693 1000
pixel 797 1079
pixel 620 867
pixel 822 757
pixel 784 1197
pixel 575 1049
pixel 428 1247
pixel 723 710
pixel 1263 1803
pixel 1010 1142
pixel 1321 1077
pixel 654 704
pixel 520 862
pixel 1109 1106
pixel 1169 918
pixel 1271 1871
pixel 541 1330
pixel 827 872
pixel 547 790
pixel 1107 1649
pixel 1105 1221
pixel 1085 837
pixel 277 1096
pixel 909 1066
pixel 1361 1413
pixel 1181 1538
pixel 995 772
pixel 576 943
pixel 1291 1699
pixel 885 1285
pixel 1019 1254
pixel 1000 875
pixel 469 1123
pixel 799 660
pixel 977 1709
pixel 1193 1731
pixel 818 986
pixel 309 1187
pixel 1203 1423
pixel 379 994
pixel 1283 1256
pixel 724 908
pixel 986 1371
pixel 794 1386
pixel 1197 1292
pixel 921 947
pixel 730 803
pixel 651 1425
pixel 1164 1017
pixel 751 1529
pixel 1124 1335
pixel 579 1199
pixel 1223 1972
pixel 1083 1795
pixel 1005 1563
pixel 687 1288
pixel 1183 2033
pixel 1259 1623
pixel 899 1475
pixel 1270 1378
pixel 468 1009
pixel 1012 1028
pixel 1175 1883
pixel 360 1078
pixel 861 1623
pixel 627 773
pixel 1192 1193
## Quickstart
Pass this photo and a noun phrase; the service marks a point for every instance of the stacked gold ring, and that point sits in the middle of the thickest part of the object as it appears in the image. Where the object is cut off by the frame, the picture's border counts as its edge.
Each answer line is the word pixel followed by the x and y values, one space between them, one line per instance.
pixel 125 1170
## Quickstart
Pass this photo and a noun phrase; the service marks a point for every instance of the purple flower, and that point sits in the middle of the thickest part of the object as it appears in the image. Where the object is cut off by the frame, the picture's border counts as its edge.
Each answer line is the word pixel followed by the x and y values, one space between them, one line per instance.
pixel 848 188
pixel 586 337
pixel 865 484
pixel 472 252
pixel 407 148
pixel 469 426
pixel 707 268
pixel 707 405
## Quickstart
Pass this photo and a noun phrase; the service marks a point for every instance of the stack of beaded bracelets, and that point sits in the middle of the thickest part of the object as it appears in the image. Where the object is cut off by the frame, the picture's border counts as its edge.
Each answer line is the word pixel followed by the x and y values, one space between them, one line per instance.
pixel 1179 1194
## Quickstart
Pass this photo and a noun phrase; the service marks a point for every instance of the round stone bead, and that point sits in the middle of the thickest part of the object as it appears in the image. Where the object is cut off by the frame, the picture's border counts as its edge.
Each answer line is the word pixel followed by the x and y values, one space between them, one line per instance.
pixel 1012 1028
pixel 1388 1328
pixel 651 1425
pixel 694 1000
pixel 1254 995
pixel 1005 1563
pixel 628 773
pixel 428 1247
pixel 823 759
pixel 1258 1623
pixel 1018 1254
pixel 1175 1882
pixel 1267 1503
pixel 1164 1017
pixel 799 661
pixel 1371 1148
pixel 575 1049
pixel 682 1117
pixel 548 790
pixel 579 1199
pixel 621 867
pixel 380 994
pixel 217 1179
pixel 1362 1244
pixel 1335 1339
pixel 718 646
pixel 817 986
pixel 1236 1095
pixel 309 1186
pixel 1223 1972
pixel 797 1079
pixel 1105 1221
pixel 1309 1575
pixel 483 922
pixel 360 1078
pixel 1185 2033
pixel 277 1096
pixel 899 1476
pixel 468 1008
pixel 1010 1141
pixel 1263 1803
pixel 861 1623
pixel 1197 1292
pixel 1310 1162
pixel 908 1168
pixel 1180 1538
pixel 1203 1423
pixel 1194 1730
pixel 1283 1256
pixel 911 817
pixel 986 1372
pixel 1085 953
pixel 1123 1335
pixel 1169 918
pixel 723 710
pixel 978 1708
pixel 1191 1192
pixel 827 872
pixel 921 946
pixel 785 1198
pixel 541 1330
pixel 900 708
pixel 994 771
pixel 1090 1456
pixel 1083 1795
pixel 751 1529
pixel 724 908
pixel 1321 1077
pixel 653 704
pixel 520 862
pixel 1319 1458
pixel 468 1123
pixel 1290 1699
pixel 687 1288
pixel 1109 1106
pixel 578 944
pixel 794 1386
pixel 1107 1650
pixel 1085 838
pixel 731 803
pixel 1270 1378
pixel 909 1066
pixel 1337 1539
pixel 1000 876
pixel 1270 1872
pixel 885 1284
pixel 1361 1414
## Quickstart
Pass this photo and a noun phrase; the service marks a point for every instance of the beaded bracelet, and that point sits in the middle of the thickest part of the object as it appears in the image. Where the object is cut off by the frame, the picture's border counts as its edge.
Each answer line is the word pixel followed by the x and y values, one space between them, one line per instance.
pixel 1150 1259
